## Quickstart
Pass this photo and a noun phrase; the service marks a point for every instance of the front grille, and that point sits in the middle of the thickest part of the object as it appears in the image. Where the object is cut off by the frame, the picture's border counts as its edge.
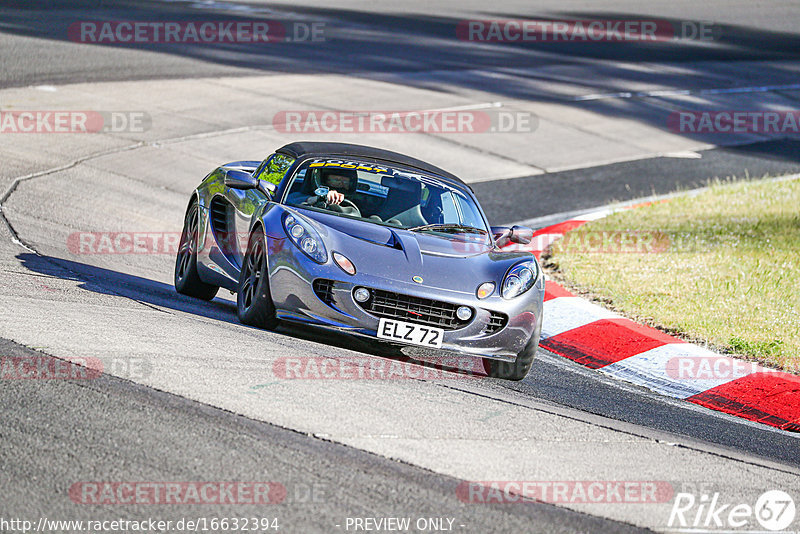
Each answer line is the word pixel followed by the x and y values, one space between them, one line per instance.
pixel 497 321
pixel 393 305
pixel 324 290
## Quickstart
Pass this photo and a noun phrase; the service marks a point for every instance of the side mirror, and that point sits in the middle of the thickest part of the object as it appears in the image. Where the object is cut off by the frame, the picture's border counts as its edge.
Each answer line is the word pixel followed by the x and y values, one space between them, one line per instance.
pixel 268 188
pixel 521 235
pixel 244 180
pixel 240 180
pixel 504 235
pixel 501 235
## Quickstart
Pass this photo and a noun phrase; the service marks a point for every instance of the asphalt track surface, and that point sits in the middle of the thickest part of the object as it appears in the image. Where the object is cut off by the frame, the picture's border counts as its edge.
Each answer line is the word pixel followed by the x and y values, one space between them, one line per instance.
pixel 411 38
pixel 53 429
pixel 182 440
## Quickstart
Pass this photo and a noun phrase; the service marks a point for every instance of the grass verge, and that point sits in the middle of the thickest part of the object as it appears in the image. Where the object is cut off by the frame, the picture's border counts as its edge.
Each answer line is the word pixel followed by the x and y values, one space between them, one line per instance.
pixel 722 266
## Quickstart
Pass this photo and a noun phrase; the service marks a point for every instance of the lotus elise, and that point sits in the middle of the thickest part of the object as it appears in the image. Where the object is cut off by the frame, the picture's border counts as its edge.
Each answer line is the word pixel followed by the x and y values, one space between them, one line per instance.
pixel 365 241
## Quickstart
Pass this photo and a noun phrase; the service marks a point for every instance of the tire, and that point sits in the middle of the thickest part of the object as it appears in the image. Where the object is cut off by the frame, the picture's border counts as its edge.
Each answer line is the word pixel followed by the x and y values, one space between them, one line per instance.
pixel 516 370
pixel 254 304
pixel 187 281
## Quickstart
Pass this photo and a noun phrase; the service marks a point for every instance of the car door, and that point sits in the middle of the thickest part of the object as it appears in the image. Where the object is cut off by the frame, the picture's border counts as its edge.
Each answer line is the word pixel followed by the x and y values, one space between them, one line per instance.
pixel 246 202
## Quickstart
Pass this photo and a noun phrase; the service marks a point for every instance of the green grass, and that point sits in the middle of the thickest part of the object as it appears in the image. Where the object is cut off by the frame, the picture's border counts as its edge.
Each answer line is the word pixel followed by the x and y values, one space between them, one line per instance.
pixel 725 267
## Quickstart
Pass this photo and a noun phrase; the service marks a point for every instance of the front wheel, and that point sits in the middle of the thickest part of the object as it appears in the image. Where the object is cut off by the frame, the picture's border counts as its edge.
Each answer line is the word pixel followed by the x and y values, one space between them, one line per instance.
pixel 254 304
pixel 516 370
pixel 187 281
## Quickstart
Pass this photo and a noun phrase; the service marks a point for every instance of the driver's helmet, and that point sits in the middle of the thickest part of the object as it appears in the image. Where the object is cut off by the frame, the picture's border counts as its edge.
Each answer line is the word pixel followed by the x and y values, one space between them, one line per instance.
pixel 344 181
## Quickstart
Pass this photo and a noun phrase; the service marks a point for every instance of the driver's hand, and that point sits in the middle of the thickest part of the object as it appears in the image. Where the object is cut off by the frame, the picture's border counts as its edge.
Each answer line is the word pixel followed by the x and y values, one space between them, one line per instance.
pixel 334 197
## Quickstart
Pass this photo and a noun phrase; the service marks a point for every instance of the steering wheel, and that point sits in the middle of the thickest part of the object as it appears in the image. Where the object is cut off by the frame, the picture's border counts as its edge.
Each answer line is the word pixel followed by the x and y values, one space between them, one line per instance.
pixel 348 203
pixel 324 204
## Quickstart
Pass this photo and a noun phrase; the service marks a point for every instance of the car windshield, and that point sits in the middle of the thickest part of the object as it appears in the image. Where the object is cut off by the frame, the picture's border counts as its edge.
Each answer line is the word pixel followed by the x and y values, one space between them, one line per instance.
pixel 386 196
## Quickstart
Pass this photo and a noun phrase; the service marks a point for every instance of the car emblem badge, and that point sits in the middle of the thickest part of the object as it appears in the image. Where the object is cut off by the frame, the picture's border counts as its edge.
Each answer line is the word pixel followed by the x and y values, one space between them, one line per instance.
pixel 417 279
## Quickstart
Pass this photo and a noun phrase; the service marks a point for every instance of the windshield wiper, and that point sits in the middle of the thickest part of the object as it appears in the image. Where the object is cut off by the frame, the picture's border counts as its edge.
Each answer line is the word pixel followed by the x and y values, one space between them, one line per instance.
pixel 448 227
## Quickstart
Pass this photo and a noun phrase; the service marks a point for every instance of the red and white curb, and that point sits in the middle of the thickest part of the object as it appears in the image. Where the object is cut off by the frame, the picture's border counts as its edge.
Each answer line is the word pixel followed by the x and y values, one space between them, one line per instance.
pixel 600 339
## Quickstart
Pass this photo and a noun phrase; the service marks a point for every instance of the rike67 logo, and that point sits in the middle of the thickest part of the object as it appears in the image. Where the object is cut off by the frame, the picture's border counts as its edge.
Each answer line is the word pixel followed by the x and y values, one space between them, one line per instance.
pixel 773 511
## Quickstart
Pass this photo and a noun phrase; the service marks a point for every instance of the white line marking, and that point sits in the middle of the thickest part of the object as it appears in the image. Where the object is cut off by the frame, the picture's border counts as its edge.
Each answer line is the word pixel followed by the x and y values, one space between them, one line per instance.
pixel 567 313
pixel 681 92
pixel 685 154
pixel 593 216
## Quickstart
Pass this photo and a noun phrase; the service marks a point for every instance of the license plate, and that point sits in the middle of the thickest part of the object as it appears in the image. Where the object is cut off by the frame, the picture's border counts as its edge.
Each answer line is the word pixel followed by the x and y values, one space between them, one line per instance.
pixel 415 334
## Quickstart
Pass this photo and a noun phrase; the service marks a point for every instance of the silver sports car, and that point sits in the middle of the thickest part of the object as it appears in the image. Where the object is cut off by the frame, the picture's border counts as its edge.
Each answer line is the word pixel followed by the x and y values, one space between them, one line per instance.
pixel 365 241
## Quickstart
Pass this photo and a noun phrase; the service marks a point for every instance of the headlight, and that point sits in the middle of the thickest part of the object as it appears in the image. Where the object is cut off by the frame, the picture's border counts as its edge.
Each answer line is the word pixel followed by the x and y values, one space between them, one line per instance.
pixel 520 278
pixel 305 238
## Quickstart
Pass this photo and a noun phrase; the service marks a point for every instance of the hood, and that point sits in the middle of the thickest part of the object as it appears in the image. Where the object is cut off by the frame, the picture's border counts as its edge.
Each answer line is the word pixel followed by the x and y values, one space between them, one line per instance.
pixel 398 254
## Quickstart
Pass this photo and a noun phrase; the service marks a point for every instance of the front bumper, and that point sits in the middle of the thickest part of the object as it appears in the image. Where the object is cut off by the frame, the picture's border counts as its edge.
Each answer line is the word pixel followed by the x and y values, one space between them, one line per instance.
pixel 292 275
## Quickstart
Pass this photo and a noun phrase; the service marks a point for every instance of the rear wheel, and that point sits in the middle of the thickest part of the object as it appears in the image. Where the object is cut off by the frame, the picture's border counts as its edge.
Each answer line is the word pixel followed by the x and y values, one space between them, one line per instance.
pixel 516 370
pixel 187 281
pixel 254 304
